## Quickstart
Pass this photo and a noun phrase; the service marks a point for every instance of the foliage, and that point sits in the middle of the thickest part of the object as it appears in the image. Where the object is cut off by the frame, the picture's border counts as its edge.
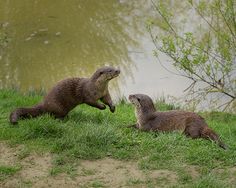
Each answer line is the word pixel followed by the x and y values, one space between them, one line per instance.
pixel 206 55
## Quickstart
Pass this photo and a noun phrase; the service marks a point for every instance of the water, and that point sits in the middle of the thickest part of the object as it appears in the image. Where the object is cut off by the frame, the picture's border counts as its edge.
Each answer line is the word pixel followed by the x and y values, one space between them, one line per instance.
pixel 50 41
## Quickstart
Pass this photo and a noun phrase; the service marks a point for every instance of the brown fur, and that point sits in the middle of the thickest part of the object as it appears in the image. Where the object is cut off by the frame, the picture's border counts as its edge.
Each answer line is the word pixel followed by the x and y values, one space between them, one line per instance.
pixel 69 93
pixel 192 125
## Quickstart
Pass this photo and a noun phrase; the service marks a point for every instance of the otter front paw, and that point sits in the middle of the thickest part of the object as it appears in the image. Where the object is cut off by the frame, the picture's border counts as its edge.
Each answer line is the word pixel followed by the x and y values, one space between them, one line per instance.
pixel 112 109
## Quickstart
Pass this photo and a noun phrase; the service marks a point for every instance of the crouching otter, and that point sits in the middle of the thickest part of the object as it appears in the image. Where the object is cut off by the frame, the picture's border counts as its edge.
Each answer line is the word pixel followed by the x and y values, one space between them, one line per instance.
pixel 192 125
pixel 68 93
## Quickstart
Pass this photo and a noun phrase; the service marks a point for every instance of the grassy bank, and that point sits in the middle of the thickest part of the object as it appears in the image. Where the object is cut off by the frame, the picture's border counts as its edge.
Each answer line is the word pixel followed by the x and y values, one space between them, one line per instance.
pixel 88 133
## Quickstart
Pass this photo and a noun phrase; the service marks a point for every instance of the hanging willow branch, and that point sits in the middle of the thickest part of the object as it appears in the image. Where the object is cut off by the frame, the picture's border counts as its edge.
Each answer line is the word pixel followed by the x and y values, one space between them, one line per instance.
pixel 209 58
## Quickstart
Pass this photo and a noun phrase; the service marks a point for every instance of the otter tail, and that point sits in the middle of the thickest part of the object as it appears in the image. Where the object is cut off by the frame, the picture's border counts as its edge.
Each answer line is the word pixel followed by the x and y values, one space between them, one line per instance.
pixel 208 133
pixel 22 113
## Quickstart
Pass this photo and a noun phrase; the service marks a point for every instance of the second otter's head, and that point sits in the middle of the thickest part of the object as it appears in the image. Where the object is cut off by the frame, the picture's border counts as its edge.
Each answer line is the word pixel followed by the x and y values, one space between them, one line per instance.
pixel 105 74
pixel 142 102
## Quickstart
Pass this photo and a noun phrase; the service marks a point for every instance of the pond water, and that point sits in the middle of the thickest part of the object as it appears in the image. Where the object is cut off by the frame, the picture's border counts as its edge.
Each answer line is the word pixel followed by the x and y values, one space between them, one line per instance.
pixel 53 40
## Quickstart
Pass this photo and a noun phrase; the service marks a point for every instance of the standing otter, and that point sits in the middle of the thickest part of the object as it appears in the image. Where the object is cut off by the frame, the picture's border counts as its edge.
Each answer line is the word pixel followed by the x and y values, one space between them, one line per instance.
pixel 69 93
pixel 190 123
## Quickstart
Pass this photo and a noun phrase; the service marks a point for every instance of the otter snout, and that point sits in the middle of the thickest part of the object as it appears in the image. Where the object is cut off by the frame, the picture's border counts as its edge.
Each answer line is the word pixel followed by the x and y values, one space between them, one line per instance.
pixel 131 97
pixel 117 71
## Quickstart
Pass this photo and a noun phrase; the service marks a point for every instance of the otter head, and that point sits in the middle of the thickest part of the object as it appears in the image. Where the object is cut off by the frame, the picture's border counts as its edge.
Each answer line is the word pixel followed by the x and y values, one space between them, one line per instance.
pixel 105 74
pixel 142 103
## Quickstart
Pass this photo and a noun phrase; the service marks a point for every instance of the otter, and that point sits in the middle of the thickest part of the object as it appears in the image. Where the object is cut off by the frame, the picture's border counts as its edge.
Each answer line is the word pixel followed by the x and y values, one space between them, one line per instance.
pixel 192 124
pixel 69 93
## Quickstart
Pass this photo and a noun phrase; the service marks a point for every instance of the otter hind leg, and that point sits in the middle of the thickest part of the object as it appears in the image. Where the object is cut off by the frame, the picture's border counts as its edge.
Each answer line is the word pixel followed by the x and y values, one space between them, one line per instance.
pixel 192 131
pixel 197 130
pixel 60 116
pixel 96 105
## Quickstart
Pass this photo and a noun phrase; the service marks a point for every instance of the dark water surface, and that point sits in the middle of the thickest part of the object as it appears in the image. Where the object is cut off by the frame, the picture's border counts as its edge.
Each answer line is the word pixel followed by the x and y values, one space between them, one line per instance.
pixel 53 40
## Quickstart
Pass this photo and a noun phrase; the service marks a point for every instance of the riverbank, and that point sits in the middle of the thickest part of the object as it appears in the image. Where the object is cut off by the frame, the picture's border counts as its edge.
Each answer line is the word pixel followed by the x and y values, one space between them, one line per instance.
pixel 92 148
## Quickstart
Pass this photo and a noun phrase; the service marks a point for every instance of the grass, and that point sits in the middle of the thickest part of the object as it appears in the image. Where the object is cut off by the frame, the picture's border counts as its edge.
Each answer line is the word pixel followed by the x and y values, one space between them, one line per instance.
pixel 8 171
pixel 88 133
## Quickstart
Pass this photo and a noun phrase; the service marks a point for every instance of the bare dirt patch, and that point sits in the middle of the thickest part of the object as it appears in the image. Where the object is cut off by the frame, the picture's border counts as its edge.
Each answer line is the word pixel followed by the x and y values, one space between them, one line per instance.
pixel 33 167
pixel 106 172
pixel 193 171
pixel 8 156
pixel 230 172
pixel 36 166
pixel 111 172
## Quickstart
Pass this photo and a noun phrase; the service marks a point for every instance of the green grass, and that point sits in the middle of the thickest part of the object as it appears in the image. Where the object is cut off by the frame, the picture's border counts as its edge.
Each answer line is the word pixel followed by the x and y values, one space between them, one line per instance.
pixel 8 171
pixel 88 133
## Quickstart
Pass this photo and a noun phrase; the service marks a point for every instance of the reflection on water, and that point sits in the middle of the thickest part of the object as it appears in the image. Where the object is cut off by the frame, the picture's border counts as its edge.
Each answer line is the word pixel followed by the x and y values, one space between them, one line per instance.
pixel 50 41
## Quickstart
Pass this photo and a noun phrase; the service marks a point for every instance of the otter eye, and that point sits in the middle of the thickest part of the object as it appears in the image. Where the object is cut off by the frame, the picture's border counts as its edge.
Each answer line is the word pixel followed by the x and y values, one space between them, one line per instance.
pixel 138 99
pixel 101 72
